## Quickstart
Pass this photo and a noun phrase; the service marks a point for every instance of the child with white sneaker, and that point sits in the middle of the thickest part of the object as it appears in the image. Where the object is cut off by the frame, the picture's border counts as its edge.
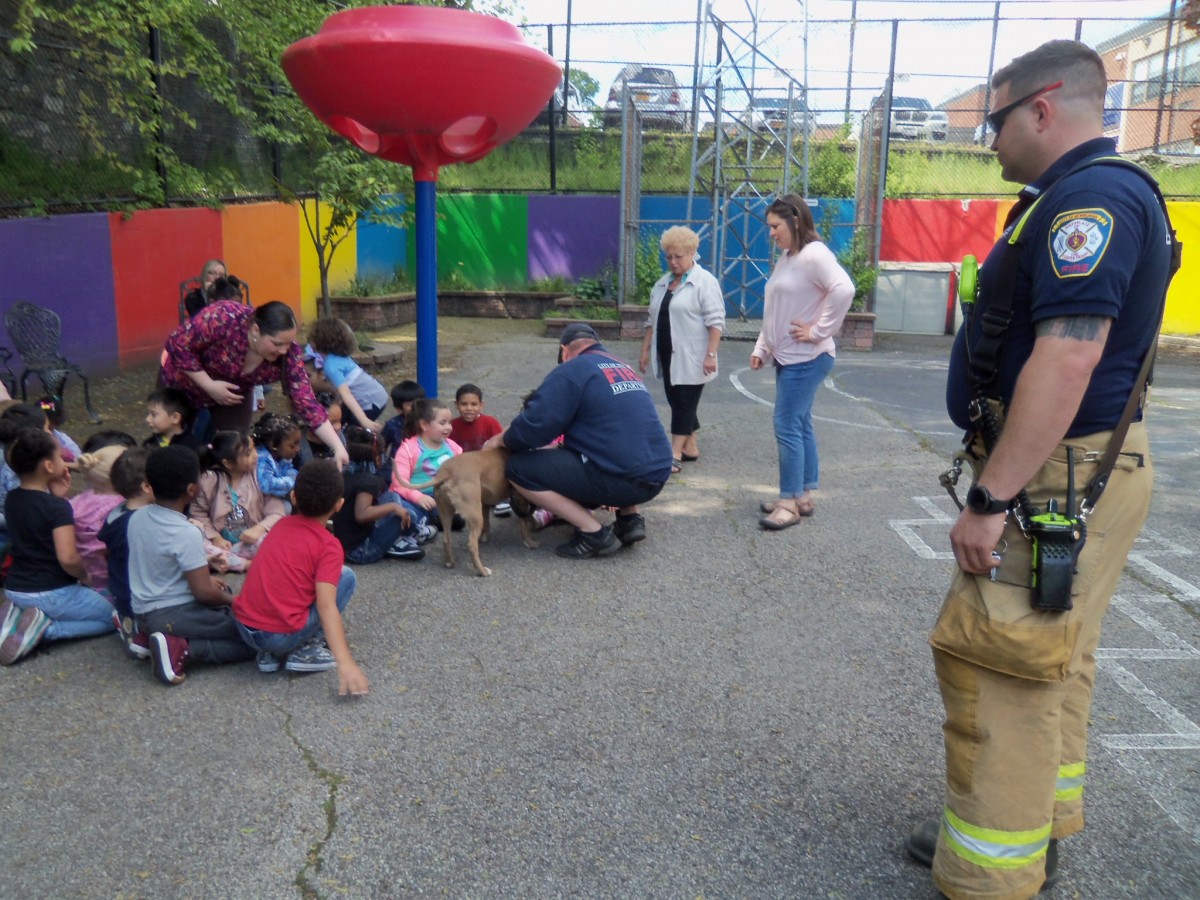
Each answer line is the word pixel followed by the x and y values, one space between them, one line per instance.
pixel 47 587
pixel 291 604
pixel 128 476
pixel 372 522
pixel 182 609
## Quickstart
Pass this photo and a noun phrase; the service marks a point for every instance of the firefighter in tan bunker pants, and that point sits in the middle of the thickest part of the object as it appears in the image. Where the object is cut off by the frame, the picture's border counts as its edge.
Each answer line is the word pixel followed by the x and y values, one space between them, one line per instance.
pixel 1087 254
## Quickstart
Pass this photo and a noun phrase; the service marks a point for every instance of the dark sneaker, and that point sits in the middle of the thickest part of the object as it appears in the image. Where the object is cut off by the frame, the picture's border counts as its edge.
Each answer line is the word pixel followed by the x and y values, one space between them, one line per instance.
pixel 405 548
pixel 267 662
pixel 136 644
pixel 168 654
pixel 502 510
pixel 311 657
pixel 922 843
pixel 585 546
pixel 426 533
pixel 629 529
pixel 26 632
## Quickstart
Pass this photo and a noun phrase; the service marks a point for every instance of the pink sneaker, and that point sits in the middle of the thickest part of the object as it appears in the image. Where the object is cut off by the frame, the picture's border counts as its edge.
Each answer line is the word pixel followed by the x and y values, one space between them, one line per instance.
pixel 542 518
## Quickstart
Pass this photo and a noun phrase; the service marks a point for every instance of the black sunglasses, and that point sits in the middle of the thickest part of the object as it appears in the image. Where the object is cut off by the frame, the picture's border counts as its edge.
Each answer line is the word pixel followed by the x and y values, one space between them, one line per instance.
pixel 996 120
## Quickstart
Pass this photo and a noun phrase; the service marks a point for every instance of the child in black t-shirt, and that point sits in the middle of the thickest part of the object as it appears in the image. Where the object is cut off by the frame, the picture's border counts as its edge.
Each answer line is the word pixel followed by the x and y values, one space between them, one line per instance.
pixel 372 523
pixel 47 592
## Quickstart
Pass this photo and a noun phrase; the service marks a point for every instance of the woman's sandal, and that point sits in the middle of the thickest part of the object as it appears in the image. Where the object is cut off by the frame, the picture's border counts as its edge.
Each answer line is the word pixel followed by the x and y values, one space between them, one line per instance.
pixel 687 457
pixel 676 466
pixel 803 509
pixel 780 519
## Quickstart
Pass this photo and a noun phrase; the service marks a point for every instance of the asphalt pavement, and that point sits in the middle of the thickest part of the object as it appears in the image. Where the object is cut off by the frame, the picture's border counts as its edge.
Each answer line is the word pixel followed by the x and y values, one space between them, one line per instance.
pixel 717 711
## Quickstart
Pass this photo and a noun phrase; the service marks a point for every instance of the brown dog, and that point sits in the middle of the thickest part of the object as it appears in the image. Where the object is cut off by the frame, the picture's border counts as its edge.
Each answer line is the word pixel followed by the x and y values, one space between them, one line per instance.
pixel 471 484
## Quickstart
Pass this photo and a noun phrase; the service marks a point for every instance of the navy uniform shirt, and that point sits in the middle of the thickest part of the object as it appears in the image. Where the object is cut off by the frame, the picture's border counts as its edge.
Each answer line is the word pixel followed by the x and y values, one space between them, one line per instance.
pixel 1096 244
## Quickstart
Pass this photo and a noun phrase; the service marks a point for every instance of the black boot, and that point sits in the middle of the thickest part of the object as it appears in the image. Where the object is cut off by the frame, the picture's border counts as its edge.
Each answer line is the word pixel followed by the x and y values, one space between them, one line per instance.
pixel 922 843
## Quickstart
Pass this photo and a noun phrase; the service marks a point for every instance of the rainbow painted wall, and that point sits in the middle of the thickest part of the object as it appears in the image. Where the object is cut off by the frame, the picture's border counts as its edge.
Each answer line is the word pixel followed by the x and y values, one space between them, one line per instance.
pixel 114 279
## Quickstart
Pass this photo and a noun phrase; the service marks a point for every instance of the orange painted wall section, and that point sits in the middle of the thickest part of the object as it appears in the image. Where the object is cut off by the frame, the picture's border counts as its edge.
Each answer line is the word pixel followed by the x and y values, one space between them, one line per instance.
pixel 343 270
pixel 262 246
pixel 937 230
pixel 153 250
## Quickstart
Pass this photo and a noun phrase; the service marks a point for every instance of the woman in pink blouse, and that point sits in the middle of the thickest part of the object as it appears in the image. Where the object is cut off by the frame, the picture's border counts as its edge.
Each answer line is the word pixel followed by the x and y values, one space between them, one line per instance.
pixel 219 355
pixel 806 298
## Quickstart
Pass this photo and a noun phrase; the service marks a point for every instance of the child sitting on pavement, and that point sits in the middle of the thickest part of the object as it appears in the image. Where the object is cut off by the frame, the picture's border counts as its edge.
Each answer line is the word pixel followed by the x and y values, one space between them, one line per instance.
pixel 426 446
pixel 47 587
pixel 182 609
pixel 292 602
pixel 169 416
pixel 404 395
pixel 128 477
pixel 372 523
pixel 92 506
pixel 52 407
pixel 278 441
pixel 472 428
pixel 230 506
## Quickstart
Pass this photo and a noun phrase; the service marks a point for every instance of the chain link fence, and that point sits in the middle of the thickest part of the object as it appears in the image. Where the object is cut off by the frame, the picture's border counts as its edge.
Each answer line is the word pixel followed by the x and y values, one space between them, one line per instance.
pixel 68 141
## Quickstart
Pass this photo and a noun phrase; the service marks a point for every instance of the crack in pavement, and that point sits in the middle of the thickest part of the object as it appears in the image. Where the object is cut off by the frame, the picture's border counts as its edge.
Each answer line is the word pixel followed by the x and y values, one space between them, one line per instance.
pixel 314 859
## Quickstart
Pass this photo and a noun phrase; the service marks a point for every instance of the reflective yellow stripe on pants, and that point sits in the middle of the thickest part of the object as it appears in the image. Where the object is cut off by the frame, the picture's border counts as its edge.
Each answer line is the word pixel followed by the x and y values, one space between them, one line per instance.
pixel 1070 782
pixel 992 848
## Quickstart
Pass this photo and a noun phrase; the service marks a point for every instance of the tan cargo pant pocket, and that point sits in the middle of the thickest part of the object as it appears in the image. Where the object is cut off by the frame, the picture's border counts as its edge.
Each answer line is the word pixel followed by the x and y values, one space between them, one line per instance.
pixel 991 625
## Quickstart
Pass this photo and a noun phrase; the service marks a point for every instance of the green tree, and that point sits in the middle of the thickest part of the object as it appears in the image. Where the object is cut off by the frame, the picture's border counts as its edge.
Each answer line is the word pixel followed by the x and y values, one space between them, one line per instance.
pixel 586 85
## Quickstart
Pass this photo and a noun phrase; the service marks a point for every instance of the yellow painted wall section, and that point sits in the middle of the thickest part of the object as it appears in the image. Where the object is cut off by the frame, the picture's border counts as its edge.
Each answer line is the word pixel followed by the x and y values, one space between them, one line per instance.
pixel 345 261
pixel 261 246
pixel 1182 315
pixel 1183 299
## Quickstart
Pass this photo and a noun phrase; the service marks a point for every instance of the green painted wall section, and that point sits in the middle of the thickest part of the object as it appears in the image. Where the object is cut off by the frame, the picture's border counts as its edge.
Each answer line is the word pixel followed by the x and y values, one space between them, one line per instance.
pixel 484 237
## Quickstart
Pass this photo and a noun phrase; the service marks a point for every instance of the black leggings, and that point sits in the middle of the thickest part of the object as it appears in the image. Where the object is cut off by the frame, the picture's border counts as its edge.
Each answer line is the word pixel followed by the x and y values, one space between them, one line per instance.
pixel 684 400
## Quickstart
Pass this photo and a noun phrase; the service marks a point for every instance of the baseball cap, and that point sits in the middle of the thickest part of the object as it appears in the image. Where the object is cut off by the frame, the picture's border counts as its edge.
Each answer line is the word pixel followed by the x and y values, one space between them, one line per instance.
pixel 577 330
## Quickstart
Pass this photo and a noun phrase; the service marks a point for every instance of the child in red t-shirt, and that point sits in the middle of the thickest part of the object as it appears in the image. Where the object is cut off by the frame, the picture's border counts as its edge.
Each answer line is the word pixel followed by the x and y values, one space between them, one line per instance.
pixel 291 604
pixel 472 428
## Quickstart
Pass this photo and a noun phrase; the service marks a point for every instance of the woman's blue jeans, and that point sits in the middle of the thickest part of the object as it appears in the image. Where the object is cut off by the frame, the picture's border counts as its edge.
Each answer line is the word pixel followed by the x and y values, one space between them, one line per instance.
pixel 795 387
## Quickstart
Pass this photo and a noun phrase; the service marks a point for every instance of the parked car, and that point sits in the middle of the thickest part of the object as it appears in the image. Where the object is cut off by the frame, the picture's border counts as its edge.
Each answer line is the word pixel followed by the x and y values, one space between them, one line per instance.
pixel 656 95
pixel 574 107
pixel 913 119
pixel 771 114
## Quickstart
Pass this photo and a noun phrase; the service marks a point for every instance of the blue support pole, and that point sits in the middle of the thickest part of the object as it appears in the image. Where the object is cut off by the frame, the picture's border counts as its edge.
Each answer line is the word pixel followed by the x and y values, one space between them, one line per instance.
pixel 426 241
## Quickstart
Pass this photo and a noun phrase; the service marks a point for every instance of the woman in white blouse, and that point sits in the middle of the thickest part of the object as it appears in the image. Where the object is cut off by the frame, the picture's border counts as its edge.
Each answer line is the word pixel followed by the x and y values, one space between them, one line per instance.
pixel 683 330
pixel 805 301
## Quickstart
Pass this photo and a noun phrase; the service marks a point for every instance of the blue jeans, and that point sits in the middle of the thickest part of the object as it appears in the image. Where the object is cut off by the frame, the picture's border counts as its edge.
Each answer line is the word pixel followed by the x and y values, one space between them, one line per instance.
pixel 795 387
pixel 283 644
pixel 75 611
pixel 387 531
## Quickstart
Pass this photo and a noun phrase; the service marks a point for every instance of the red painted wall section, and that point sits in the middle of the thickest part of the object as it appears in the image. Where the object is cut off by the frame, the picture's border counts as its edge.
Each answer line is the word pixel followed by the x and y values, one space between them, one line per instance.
pixel 262 245
pixel 941 231
pixel 153 250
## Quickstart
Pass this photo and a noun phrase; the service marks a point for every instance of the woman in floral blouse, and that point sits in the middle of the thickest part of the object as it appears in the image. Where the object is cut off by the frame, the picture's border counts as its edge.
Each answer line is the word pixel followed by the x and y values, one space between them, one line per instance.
pixel 219 355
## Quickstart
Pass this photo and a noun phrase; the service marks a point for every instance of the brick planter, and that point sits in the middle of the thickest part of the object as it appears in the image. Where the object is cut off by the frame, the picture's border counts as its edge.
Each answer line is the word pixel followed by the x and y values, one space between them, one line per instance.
pixel 858 332
pixel 376 313
pixel 496 304
pixel 633 321
pixel 608 329
pixel 381 313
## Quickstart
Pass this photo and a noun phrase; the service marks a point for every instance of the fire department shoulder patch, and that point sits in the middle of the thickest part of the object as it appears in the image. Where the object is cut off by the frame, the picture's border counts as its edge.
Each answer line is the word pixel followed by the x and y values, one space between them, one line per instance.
pixel 1078 239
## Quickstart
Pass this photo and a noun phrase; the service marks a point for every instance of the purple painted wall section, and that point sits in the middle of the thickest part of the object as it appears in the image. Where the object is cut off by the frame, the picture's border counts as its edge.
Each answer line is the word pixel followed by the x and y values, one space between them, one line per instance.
pixel 64 264
pixel 560 243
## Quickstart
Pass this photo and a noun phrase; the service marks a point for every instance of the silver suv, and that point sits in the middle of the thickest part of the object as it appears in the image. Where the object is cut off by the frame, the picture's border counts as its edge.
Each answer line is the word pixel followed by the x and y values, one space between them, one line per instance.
pixel 656 95
pixel 913 119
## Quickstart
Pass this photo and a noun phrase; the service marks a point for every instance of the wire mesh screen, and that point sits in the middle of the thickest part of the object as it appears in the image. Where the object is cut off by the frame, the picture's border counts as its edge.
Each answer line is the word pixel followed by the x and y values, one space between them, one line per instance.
pixel 71 137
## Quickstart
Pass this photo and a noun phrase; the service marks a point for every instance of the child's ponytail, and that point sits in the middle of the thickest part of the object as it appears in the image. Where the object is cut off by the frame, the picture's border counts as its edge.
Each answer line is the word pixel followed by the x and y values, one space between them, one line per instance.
pixel 425 409
pixel 226 446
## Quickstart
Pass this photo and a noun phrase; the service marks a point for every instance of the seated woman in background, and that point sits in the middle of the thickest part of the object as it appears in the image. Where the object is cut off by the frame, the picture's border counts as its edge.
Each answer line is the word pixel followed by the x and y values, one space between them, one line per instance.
pixel 198 298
